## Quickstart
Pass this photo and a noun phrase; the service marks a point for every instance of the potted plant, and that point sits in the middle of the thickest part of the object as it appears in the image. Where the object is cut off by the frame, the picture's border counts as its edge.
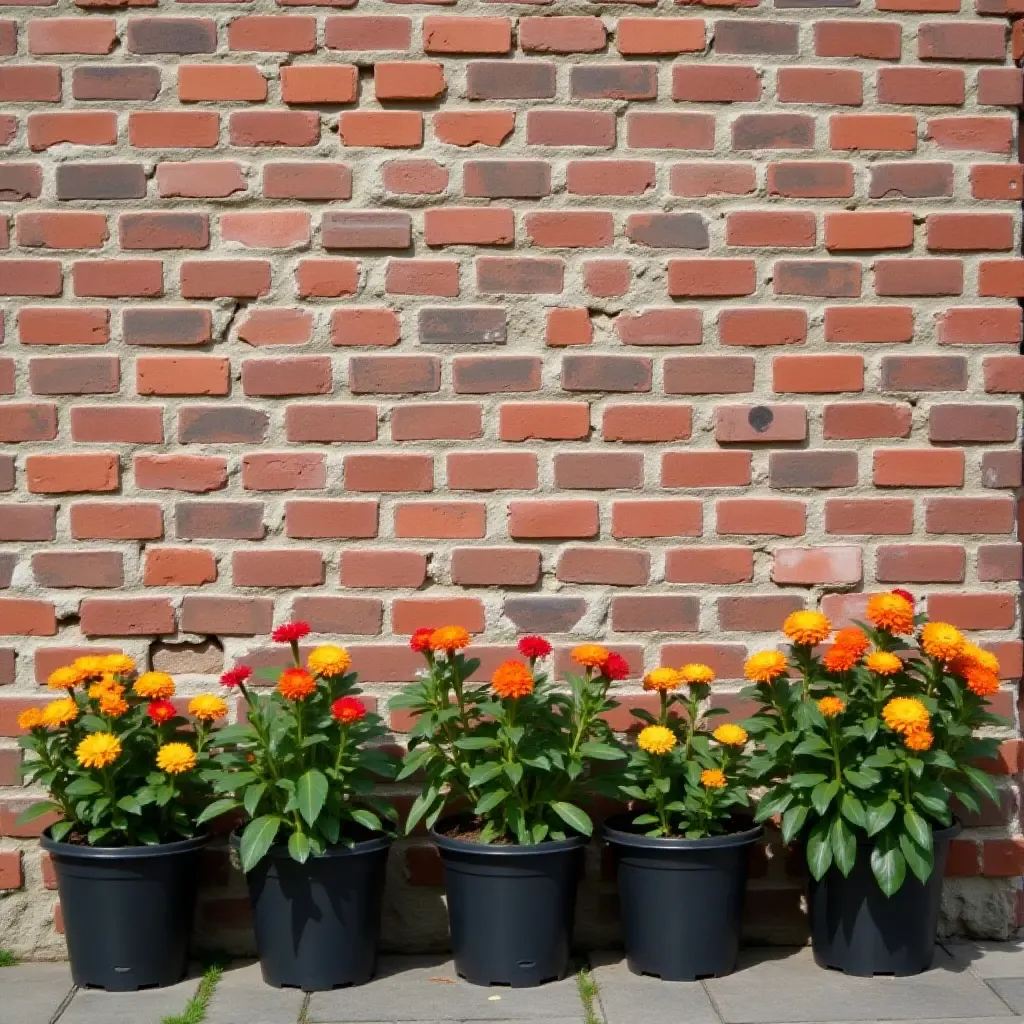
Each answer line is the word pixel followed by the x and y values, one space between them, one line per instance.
pixel 512 757
pixel 863 749
pixel 126 774
pixel 681 856
pixel 302 769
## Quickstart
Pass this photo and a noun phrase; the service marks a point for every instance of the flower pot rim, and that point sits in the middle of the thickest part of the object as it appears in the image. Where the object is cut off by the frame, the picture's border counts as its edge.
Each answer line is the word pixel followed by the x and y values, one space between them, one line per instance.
pixel 611 833
pixel 939 832
pixel 74 850
pixel 512 850
pixel 279 851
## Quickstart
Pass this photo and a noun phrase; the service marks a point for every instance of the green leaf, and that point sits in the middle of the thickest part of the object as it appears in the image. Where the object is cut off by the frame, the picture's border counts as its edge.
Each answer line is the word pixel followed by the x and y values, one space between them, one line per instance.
pixel 573 817
pixel 878 813
pixel 83 786
pixel 489 801
pixel 421 806
pixel 130 804
pixel 792 821
pixel 806 780
pixel 60 830
pixel 366 818
pixel 477 743
pixel 853 810
pixel 888 864
pixel 36 810
pixel 257 839
pixel 775 801
pixel 921 861
pixel 866 778
pixel 601 751
pixel 253 795
pixel 514 771
pixel 823 794
pixel 982 782
pixel 819 850
pixel 484 773
pixel 812 745
pixel 215 810
pixel 844 845
pixel 299 847
pixel 918 829
pixel 310 794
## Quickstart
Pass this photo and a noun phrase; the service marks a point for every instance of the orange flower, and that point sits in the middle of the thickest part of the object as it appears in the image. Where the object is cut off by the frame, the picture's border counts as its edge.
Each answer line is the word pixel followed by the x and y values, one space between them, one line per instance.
pixel 941 641
pixel 154 686
pixel 30 718
pixel 891 612
pixel 918 739
pixel 207 708
pixel 883 663
pixel 590 655
pixel 66 678
pixel 113 704
pixel 980 681
pixel 713 778
pixel 296 684
pixel 695 673
pixel 853 639
pixel 765 666
pixel 663 680
pixel 906 715
pixel 831 706
pixel 840 659
pixel 449 639
pixel 806 628
pixel 512 679
pixel 971 654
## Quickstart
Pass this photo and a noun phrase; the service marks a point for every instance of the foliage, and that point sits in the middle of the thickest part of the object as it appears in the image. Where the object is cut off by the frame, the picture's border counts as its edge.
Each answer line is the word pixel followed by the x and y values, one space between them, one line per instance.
pixel 873 740
pixel 689 780
pixel 514 752
pixel 195 1009
pixel 122 766
pixel 7 958
pixel 302 765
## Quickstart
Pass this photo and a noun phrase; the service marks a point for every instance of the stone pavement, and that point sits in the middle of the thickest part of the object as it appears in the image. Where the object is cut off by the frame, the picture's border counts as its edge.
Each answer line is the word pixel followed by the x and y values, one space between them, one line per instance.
pixel 969 983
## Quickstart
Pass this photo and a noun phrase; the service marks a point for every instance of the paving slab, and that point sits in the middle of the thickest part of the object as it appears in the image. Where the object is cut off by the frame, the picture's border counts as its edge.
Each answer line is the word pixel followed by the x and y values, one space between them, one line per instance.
pixel 1010 990
pixel 780 987
pixel 242 997
pixel 422 989
pixel 990 959
pixel 628 998
pixel 33 993
pixel 147 1006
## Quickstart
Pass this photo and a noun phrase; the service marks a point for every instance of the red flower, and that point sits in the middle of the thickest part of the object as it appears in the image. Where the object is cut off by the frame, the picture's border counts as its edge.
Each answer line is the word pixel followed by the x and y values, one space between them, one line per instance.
pixel 420 640
pixel 348 709
pixel 290 632
pixel 905 594
pixel 161 711
pixel 615 667
pixel 534 647
pixel 236 676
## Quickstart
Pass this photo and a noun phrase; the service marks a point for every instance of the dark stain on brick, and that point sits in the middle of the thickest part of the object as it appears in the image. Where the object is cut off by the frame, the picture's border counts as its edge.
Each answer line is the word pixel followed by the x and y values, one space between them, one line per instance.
pixel 668 230
pixel 507 179
pixel 218 520
pixel 74 375
pixel 614 81
pixel 760 418
pixel 484 375
pixel 28 422
pixel 773 131
pixel 510 80
pixel 545 614
pixel 132 82
pixel 215 424
pixel 20 181
pixel 606 373
pixel 151 34
pixel 101 181
pixel 6 472
pixel 8 560
pixel 365 229
pixel 167 326
pixel 484 325
pixel 924 373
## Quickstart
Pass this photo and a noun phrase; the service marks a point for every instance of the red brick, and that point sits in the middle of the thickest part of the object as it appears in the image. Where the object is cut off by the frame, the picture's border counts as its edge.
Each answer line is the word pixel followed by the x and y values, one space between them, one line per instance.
pixel 623 567
pixel 319 83
pixel 441 520
pixel 857 516
pixel 284 567
pixel 373 569
pixel 179 567
pixel 103 616
pixel 553 518
pixel 412 613
pixel 826 566
pixel 761 516
pixel 706 469
pixel 491 471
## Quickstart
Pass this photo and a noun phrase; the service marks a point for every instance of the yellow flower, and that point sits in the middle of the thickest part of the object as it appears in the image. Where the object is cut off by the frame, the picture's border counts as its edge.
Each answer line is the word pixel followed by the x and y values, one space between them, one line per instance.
pixel 207 708
pixel 66 678
pixel 942 641
pixel 662 680
pixel 328 660
pixel 98 749
pixel 118 664
pixel 905 715
pixel 765 666
pixel 103 686
pixel 891 612
pixel 831 706
pixel 731 735
pixel 175 758
pixel 112 703
pixel 590 655
pixel 90 665
pixel 30 718
pixel 154 686
pixel 449 639
pixel 59 712
pixel 697 673
pixel 918 739
pixel 806 628
pixel 713 778
pixel 883 663
pixel 656 739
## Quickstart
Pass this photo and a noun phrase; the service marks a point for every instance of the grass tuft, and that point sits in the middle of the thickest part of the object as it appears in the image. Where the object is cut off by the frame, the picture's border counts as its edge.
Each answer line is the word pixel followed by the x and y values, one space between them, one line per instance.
pixel 195 1009
pixel 587 988
pixel 7 958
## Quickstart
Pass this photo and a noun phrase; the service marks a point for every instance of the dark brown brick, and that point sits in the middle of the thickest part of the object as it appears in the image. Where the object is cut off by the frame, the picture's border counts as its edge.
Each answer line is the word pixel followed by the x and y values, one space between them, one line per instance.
pixel 74 375
pixel 116 82
pixel 668 230
pixel 924 373
pixel 101 181
pixel 20 181
pixel 227 616
pixel 218 520
pixel 451 325
pixel 544 614
pixel 606 373
pixel 510 80
pixel 164 230
pixel 168 326
pixel 773 131
pixel 222 424
pixel 78 568
pixel 813 469
pixel 394 375
pixel 911 180
pixel 614 81
pixel 764 36
pixel 366 229
pixel 822 278
pixel 152 34
pixel 484 375
pixel 507 179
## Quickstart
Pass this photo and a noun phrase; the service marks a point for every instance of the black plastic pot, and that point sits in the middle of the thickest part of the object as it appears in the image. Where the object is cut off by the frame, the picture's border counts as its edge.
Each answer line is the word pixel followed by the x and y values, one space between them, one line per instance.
pixel 318 924
pixel 857 929
pixel 681 900
pixel 510 908
pixel 127 911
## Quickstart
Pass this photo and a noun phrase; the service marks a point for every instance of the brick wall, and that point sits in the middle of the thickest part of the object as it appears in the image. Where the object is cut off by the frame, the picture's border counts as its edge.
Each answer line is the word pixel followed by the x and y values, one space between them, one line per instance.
pixel 645 322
